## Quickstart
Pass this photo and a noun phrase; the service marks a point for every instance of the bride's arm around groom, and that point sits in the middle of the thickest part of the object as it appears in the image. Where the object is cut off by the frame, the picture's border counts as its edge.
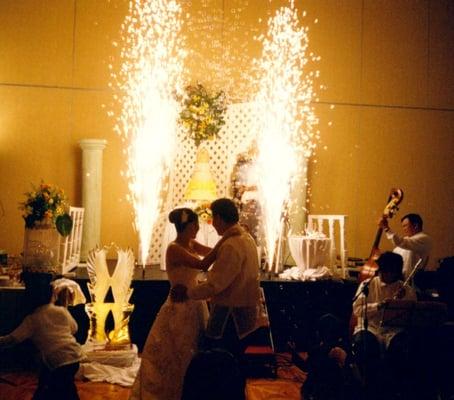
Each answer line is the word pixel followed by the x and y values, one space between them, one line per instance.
pixel 232 284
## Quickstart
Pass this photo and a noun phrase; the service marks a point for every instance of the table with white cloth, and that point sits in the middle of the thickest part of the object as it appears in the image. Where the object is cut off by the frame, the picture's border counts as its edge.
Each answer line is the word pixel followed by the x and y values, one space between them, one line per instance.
pixel 311 254
pixel 206 235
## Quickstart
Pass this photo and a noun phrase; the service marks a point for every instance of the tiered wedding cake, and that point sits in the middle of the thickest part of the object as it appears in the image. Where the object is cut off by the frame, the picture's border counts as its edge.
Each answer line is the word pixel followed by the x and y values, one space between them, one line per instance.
pixel 202 185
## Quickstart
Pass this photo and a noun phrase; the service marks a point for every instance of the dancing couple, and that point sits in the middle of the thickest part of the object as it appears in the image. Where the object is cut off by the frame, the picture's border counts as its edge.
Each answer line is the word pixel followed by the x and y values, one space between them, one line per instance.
pixel 183 325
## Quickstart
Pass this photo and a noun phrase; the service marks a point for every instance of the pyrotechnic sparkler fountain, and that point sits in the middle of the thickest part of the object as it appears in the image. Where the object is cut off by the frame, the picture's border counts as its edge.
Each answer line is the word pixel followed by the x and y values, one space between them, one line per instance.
pixel 151 77
pixel 286 120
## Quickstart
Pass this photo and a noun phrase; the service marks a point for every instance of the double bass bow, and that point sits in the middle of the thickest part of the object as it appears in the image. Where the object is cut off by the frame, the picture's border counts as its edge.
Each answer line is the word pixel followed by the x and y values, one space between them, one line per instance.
pixel 369 269
pixel 401 292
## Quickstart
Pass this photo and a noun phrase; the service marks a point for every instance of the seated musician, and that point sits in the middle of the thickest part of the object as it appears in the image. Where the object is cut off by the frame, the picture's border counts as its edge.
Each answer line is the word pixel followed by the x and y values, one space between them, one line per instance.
pixel 445 339
pixel 372 343
pixel 386 286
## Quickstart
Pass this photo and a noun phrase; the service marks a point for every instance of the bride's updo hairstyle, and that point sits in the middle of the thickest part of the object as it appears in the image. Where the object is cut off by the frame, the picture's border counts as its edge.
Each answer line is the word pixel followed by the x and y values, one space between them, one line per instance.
pixel 181 217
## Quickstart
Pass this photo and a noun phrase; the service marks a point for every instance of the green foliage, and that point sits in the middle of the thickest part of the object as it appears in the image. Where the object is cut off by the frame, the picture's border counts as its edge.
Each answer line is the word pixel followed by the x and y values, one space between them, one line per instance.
pixel 64 224
pixel 202 115
pixel 43 206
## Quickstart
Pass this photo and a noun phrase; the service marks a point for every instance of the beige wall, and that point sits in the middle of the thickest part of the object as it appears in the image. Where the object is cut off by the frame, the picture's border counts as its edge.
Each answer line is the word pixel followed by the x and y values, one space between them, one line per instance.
pixel 387 70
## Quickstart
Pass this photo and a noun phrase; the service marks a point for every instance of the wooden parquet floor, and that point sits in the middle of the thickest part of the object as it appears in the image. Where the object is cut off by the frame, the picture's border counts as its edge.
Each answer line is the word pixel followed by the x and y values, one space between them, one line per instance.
pixel 21 386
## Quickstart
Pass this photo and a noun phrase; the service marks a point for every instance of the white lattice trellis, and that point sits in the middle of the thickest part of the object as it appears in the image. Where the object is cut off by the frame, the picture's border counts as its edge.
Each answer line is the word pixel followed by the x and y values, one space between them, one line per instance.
pixel 235 137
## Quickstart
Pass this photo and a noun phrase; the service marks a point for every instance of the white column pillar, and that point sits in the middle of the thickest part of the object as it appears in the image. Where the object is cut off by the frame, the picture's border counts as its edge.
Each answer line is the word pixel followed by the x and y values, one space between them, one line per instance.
pixel 91 193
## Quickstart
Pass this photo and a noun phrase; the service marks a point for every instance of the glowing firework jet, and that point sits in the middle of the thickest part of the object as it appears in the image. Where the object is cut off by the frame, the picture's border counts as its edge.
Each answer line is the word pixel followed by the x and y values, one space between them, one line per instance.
pixel 149 80
pixel 285 120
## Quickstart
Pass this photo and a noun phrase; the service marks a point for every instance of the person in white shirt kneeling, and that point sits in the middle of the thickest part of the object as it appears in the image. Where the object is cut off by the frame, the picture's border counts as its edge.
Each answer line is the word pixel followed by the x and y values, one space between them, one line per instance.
pixel 51 328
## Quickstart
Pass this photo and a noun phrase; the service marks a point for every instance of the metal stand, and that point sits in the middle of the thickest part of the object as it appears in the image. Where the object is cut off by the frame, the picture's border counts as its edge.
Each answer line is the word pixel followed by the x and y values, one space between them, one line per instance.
pixel 364 367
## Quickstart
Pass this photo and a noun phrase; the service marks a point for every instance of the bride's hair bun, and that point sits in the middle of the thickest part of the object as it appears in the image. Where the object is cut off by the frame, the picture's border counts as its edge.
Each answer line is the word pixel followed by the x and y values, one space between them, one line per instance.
pixel 174 215
pixel 180 217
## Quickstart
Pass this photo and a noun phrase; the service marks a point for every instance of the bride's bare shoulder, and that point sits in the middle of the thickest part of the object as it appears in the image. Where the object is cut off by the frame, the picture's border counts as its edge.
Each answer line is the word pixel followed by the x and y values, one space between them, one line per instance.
pixel 175 252
pixel 172 245
pixel 173 249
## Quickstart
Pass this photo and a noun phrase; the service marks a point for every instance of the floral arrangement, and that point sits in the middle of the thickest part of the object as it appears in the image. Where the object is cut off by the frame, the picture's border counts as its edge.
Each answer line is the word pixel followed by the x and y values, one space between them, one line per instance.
pixel 204 212
pixel 46 205
pixel 202 115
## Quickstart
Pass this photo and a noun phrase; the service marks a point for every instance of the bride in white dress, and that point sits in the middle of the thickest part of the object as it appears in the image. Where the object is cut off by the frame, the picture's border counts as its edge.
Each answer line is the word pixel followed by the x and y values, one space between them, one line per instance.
pixel 173 338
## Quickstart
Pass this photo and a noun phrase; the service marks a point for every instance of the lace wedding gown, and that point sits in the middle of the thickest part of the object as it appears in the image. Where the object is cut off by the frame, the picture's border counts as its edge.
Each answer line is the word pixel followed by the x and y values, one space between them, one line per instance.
pixel 171 343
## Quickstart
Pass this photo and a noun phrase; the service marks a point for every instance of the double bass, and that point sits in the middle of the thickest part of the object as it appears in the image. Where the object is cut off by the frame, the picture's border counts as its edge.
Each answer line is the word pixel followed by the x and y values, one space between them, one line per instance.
pixel 369 269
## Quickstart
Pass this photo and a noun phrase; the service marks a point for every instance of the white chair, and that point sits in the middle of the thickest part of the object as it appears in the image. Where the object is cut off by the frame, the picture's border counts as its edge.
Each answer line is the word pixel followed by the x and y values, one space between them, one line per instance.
pixel 319 223
pixel 72 243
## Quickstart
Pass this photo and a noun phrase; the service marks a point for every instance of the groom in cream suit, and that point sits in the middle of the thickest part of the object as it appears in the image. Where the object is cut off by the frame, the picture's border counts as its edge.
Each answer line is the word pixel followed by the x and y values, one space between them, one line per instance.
pixel 232 284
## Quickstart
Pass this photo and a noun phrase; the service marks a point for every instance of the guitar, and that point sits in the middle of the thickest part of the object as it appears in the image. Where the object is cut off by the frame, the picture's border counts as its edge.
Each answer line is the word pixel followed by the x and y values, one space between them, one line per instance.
pixel 369 269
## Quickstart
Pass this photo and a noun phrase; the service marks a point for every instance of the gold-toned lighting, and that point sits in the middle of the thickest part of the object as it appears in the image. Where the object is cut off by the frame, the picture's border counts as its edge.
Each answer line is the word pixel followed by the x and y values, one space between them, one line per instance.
pixel 285 120
pixel 201 185
pixel 149 82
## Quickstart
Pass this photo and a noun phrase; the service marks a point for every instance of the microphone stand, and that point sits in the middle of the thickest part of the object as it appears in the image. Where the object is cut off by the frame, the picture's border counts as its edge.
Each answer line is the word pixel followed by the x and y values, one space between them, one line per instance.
pixel 365 291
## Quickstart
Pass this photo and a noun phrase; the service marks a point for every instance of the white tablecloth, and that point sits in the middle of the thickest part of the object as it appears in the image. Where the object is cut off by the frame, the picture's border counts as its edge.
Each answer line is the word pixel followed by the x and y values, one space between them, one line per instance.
pixel 310 252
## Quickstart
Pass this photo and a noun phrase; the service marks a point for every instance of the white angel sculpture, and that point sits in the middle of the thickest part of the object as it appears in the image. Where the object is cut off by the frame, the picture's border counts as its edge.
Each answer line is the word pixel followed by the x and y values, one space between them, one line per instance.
pixel 100 282
pixel 121 291
pixel 122 276
pixel 99 276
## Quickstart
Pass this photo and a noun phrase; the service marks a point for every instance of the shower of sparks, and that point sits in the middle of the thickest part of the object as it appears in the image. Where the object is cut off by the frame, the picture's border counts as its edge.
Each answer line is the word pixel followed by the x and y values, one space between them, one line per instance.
pixel 149 80
pixel 286 121
pixel 222 45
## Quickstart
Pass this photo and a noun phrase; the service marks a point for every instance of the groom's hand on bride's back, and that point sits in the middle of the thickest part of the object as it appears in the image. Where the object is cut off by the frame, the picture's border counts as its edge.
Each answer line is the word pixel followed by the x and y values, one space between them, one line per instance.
pixel 178 293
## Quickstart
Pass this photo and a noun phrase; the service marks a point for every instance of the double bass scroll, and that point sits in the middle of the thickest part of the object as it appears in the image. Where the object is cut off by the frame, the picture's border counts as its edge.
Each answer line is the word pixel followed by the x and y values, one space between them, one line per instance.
pixel 369 269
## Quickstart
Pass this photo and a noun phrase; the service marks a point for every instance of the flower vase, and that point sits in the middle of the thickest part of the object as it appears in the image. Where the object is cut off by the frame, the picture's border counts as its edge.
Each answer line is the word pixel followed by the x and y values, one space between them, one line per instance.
pixel 41 249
